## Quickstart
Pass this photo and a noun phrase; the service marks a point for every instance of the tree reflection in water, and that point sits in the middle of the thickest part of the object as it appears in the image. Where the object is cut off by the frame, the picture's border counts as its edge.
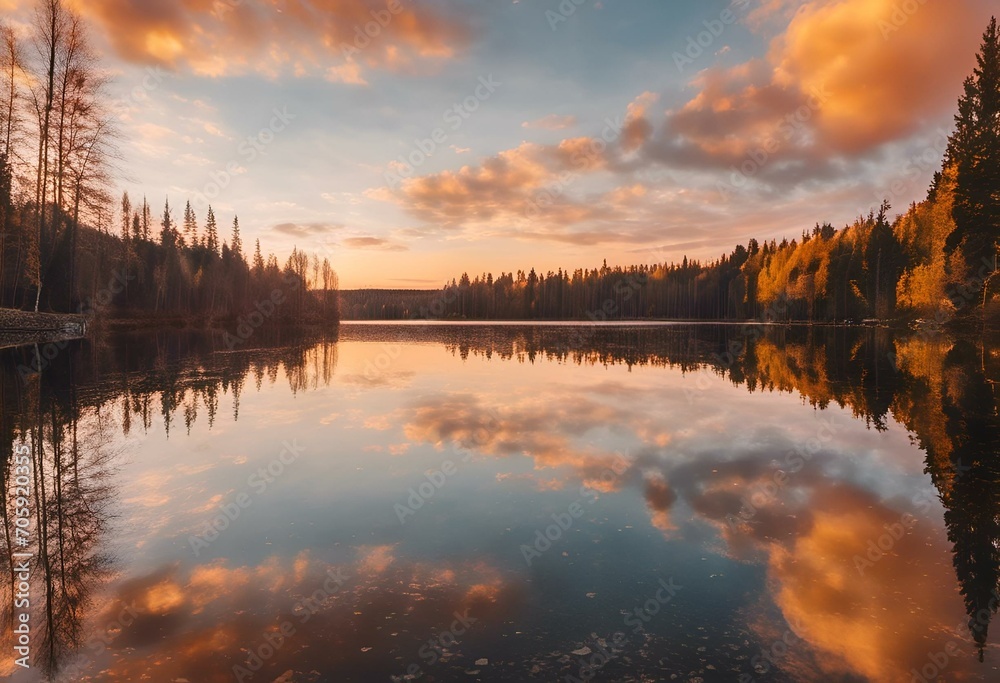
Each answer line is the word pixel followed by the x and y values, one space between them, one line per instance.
pixel 943 391
pixel 70 415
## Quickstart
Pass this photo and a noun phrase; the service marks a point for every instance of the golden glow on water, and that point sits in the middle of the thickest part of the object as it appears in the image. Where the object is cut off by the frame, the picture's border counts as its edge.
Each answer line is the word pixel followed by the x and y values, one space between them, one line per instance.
pixel 763 506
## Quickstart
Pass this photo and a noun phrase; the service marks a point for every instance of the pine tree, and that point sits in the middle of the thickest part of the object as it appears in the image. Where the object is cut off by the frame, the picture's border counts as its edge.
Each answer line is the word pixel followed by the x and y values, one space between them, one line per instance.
pixel 168 234
pixel 973 148
pixel 190 226
pixel 258 260
pixel 147 219
pixel 126 229
pixel 126 217
pixel 211 233
pixel 237 243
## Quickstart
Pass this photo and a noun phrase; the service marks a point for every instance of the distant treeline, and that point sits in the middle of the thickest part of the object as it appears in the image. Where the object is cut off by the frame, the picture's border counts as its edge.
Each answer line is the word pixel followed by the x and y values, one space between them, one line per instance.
pixel 937 260
pixel 67 244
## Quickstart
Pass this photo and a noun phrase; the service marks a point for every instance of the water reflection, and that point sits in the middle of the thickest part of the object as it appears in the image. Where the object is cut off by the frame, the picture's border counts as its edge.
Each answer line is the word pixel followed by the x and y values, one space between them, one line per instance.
pixel 768 465
pixel 65 416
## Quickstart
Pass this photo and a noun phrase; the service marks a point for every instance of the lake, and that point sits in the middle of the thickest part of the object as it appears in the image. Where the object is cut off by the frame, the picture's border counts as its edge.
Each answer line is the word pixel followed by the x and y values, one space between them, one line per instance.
pixel 504 503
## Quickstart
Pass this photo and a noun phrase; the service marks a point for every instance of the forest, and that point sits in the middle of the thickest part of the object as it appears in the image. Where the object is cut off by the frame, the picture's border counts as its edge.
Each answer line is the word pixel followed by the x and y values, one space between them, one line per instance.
pixel 934 262
pixel 69 244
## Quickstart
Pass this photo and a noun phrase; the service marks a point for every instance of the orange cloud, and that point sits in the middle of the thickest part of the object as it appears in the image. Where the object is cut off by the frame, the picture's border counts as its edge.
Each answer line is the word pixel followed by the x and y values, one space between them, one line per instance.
pixel 533 186
pixel 339 39
pixel 497 186
pixel 812 534
pixel 877 63
pixel 840 612
pixel 637 128
pixel 853 74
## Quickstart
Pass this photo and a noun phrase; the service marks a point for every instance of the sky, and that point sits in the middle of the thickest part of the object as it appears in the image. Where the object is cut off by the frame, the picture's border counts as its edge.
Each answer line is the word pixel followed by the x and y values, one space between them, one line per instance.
pixel 410 142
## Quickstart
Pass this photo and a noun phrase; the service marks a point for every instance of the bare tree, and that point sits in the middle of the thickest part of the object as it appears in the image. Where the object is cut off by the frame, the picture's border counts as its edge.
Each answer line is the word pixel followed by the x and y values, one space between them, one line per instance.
pixel 50 28
pixel 11 65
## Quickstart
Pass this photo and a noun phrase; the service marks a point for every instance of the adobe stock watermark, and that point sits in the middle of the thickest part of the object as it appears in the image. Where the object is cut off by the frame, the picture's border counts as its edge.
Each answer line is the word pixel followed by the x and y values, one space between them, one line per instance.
pixel 937 662
pixel 901 14
pixel 224 6
pixel 769 658
pixel 564 10
pixel 21 562
pixel 565 520
pixel 100 641
pixel 914 170
pixel 380 364
pixel 877 548
pixel 644 613
pixel 759 157
pixel 437 478
pixel 957 297
pixel 365 34
pixel 714 28
pixel 264 310
pixel 152 79
pixel 594 659
pixel 624 290
pixel 406 165
pixel 88 309
pixel 432 651
pixel 383 361
pixel 250 149
pixel 750 332
pixel 580 160
pixel 258 482
pixel 272 641
pixel 761 495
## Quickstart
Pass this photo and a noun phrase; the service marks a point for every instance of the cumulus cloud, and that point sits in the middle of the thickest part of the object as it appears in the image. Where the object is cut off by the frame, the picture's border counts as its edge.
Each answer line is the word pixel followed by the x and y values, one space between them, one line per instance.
pixel 843 78
pixel 637 127
pixel 875 61
pixel 530 189
pixel 840 83
pixel 481 192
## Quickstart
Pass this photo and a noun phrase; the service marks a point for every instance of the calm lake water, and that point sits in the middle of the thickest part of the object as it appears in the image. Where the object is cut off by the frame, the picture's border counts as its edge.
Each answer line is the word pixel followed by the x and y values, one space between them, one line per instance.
pixel 507 503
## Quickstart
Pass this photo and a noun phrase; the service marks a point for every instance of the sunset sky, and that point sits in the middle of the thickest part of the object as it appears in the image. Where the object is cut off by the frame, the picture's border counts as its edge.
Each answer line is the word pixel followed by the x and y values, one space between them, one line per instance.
pixel 553 135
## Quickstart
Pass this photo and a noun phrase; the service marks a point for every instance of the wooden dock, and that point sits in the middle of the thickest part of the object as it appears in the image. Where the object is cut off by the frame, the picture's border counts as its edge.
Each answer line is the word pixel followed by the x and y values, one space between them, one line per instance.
pixel 25 327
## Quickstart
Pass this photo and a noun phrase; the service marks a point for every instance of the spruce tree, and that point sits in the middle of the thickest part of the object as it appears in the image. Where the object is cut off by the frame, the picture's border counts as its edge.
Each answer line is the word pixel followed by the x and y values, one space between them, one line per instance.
pixel 190 226
pixel 167 231
pixel 237 241
pixel 974 148
pixel 258 260
pixel 211 233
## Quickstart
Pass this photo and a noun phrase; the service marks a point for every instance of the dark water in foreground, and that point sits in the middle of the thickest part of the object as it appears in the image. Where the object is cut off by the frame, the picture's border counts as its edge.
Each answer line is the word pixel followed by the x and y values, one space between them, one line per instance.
pixel 506 503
